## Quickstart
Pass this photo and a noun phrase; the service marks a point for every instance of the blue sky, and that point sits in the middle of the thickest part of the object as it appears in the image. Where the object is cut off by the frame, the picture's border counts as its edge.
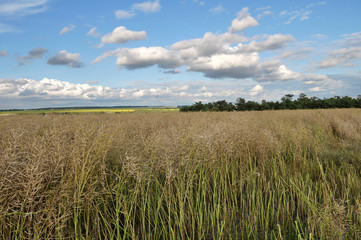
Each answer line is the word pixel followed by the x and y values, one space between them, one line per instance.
pixel 103 53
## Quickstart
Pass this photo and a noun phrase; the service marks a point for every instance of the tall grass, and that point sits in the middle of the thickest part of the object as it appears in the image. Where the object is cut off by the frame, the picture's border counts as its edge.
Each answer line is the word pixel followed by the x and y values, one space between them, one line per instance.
pixel 239 175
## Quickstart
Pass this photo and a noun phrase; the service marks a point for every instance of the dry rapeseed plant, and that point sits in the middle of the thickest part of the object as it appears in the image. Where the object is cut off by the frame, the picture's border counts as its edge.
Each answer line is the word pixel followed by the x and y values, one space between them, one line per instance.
pixel 251 175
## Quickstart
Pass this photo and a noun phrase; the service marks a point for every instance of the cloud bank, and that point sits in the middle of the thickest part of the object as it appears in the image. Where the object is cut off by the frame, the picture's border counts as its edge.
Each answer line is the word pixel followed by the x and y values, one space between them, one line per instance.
pixel 218 56
pixel 57 89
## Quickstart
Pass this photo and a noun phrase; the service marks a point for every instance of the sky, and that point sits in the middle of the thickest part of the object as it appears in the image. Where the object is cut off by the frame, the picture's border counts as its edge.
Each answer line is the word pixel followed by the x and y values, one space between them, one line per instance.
pixel 59 53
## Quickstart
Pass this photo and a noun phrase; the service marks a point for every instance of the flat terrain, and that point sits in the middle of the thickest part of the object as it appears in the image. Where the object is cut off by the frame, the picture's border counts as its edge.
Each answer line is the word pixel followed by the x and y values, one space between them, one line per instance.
pixel 205 175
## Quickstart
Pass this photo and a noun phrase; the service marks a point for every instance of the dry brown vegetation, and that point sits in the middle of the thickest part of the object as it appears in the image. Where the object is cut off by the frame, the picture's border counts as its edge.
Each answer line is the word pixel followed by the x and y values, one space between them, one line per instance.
pixel 237 175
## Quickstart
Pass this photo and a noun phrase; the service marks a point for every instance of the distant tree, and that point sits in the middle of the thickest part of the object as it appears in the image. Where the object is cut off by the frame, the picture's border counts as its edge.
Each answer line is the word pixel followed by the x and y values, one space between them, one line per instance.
pixel 287 97
pixel 315 102
pixel 251 105
pixel 223 105
pixel 358 101
pixel 231 107
pixel 330 102
pixel 272 105
pixel 241 104
pixel 347 102
pixel 265 105
pixel 209 106
pixel 198 106
pixel 337 102
pixel 287 102
pixel 184 108
pixel 302 102
pixel 277 105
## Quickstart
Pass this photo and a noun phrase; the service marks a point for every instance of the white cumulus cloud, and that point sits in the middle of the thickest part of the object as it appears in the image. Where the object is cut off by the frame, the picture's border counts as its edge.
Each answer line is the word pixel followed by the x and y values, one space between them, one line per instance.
pixel 208 45
pixel 53 89
pixel 272 42
pixel 67 59
pixel 256 90
pixel 218 56
pixel 243 20
pixel 226 65
pixel 122 35
pixel 133 58
pixel 273 71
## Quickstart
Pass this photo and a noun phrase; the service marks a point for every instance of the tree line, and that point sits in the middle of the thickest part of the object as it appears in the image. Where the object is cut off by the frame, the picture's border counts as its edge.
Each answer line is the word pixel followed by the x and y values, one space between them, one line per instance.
pixel 287 102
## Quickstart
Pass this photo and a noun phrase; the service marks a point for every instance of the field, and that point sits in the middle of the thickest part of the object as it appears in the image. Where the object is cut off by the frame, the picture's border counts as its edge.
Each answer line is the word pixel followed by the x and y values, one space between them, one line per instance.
pixel 172 175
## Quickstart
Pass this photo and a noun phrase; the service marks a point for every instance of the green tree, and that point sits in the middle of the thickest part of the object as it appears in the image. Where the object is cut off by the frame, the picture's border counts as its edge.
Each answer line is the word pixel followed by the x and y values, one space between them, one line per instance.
pixel 265 105
pixel 223 106
pixel 252 105
pixel 358 101
pixel 198 106
pixel 287 101
pixel 303 101
pixel 240 104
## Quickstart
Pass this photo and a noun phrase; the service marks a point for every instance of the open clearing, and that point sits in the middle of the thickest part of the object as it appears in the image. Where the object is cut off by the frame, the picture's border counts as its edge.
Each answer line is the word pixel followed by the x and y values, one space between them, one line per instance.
pixel 205 175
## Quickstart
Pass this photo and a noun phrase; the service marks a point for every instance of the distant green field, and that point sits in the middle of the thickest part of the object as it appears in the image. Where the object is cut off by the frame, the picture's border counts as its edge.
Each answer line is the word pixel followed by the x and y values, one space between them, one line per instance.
pixel 91 110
